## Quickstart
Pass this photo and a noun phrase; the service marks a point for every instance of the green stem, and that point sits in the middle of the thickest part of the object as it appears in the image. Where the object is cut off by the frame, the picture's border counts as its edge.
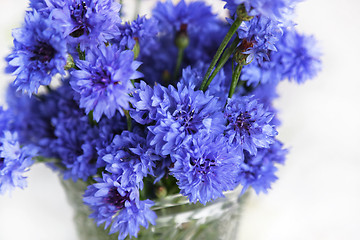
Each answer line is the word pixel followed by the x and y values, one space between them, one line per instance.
pixel 128 120
pixel 91 118
pixel 226 40
pixel 235 79
pixel 41 159
pixel 81 53
pixel 224 58
pixel 178 63
pixel 48 88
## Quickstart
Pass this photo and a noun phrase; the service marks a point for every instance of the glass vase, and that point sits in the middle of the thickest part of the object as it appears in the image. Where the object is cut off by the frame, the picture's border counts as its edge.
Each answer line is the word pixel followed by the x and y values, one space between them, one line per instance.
pixel 177 218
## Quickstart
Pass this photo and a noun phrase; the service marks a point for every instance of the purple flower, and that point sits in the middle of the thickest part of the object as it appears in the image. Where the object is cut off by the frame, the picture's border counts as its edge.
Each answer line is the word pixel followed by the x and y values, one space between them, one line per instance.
pixel 14 162
pixel 141 29
pixel 108 129
pixel 145 103
pixel 259 36
pixel 39 53
pixel 192 77
pixel 172 18
pixel 4 120
pixel 182 113
pixel 128 157
pixel 258 171
pixel 249 124
pixel 112 203
pixel 268 72
pixel 205 167
pixel 103 81
pixel 32 119
pixel 87 22
pixel 194 21
pixel 274 9
pixel 38 5
pixel 298 56
pixel 75 137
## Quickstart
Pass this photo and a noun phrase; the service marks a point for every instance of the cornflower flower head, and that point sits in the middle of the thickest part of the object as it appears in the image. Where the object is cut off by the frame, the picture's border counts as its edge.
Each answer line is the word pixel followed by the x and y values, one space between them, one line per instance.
pixel 4 119
pixel 120 206
pixel 249 124
pixel 39 53
pixel 191 21
pixel 273 9
pixel 173 18
pixel 127 157
pixel 146 103
pixel 103 81
pixel 38 5
pixel 187 112
pixel 259 171
pixel 259 36
pixel 75 137
pixel 205 167
pixel 108 129
pixel 14 162
pixel 31 118
pixel 141 29
pixel 264 73
pixel 298 56
pixel 86 22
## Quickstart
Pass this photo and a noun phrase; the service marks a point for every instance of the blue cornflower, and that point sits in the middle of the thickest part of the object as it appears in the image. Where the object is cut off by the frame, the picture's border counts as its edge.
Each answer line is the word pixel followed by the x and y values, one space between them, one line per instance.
pixel 39 5
pixel 173 18
pixel 158 68
pixel 249 124
pixel 32 118
pixel 194 21
pixel 259 36
pixel 14 161
pixel 112 203
pixel 258 171
pixel 141 29
pixel 264 73
pixel 145 102
pixel 127 156
pixel 75 137
pixel 274 9
pixel 205 41
pixel 39 53
pixel 298 56
pixel 103 80
pixel 184 113
pixel 265 94
pixel 205 167
pixel 108 129
pixel 192 77
pixel 87 22
pixel 5 120
pixel 54 123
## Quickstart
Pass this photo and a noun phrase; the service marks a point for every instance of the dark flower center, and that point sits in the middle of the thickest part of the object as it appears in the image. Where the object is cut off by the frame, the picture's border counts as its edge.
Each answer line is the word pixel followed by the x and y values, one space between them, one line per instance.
pixel 244 121
pixel 203 166
pixel 245 45
pixel 114 198
pixel 78 15
pixel 43 52
pixel 102 79
pixel 186 119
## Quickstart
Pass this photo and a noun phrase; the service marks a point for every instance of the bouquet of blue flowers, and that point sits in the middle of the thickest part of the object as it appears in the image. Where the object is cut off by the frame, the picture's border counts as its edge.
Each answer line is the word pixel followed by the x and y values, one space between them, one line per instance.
pixel 180 102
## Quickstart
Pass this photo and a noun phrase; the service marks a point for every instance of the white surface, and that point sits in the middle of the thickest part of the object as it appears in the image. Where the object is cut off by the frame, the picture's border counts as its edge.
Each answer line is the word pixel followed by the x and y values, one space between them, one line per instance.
pixel 317 195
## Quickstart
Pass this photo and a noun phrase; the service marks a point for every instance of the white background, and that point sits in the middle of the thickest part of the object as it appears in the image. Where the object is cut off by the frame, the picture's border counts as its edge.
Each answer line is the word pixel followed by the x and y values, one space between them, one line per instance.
pixel 317 195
